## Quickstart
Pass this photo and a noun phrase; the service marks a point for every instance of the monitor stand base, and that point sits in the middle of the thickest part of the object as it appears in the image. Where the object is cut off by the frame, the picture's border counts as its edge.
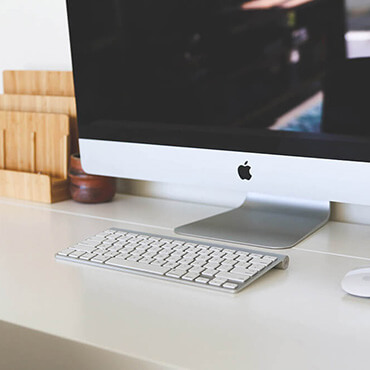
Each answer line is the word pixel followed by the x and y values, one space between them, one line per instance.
pixel 263 221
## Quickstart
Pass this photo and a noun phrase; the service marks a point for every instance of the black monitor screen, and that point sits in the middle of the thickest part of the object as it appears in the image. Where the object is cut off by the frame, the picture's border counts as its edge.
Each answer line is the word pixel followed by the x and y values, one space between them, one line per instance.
pixel 219 74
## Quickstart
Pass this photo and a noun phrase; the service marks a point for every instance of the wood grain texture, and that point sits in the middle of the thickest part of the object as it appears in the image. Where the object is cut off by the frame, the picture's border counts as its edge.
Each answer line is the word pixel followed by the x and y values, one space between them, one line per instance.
pixel 32 186
pixel 2 149
pixel 34 142
pixel 54 83
pixel 44 104
pixel 59 190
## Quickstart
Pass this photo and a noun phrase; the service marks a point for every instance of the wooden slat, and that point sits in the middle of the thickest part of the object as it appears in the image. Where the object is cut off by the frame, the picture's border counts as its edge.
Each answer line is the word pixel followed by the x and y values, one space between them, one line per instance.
pixel 44 104
pixel 2 149
pixel 54 83
pixel 33 151
pixel 43 152
pixel 24 185
pixel 32 186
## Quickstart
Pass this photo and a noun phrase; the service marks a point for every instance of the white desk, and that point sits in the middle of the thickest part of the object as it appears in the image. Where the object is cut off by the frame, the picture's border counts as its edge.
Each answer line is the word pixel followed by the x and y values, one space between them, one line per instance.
pixel 295 319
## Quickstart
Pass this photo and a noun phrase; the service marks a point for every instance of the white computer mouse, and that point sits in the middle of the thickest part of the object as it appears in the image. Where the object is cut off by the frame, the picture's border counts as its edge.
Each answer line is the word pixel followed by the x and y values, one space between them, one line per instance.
pixel 357 282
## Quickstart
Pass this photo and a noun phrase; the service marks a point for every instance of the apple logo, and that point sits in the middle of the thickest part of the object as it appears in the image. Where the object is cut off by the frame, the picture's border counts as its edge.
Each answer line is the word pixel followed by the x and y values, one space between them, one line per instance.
pixel 244 171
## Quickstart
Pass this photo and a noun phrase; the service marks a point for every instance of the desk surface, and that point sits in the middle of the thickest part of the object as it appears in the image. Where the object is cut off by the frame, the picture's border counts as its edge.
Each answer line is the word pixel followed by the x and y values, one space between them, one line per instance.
pixel 293 319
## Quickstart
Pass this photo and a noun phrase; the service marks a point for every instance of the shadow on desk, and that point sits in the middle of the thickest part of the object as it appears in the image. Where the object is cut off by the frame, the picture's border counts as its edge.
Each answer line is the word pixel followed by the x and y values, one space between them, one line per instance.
pixel 27 349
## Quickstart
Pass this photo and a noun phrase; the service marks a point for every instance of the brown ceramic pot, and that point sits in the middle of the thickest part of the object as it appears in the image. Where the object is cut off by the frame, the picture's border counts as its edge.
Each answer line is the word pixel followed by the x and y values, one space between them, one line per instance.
pixel 86 188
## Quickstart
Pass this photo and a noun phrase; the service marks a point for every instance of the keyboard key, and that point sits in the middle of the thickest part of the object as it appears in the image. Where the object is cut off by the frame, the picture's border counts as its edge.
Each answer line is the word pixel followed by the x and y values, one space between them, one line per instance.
pixel 96 238
pixel 171 265
pixel 211 266
pixel 257 266
pixel 156 244
pixel 115 248
pixel 145 260
pixel 198 263
pixel 187 261
pixel 225 268
pixel 76 254
pixel 230 285
pixel 132 265
pixel 184 266
pixel 256 255
pixel 104 234
pixel 240 270
pixel 148 254
pixel 100 259
pixel 202 280
pixel 163 254
pixel 111 254
pixel 177 254
pixel 266 261
pixel 243 258
pixel 87 256
pixel 65 252
pixel 133 258
pixel 217 282
pixel 242 264
pixel 202 258
pixel 196 269
pixel 158 262
pixel 234 277
pixel 173 259
pixel 85 248
pixel 229 262
pixel 205 252
pixel 176 273
pixel 251 272
pixel 107 243
pixel 119 233
pixel 91 243
pixel 215 260
pixel 209 272
pixel 217 254
pixel 190 276
pixel 191 255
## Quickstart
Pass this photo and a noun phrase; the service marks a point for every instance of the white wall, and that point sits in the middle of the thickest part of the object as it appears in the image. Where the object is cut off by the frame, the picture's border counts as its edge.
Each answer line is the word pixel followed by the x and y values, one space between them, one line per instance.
pixel 34 35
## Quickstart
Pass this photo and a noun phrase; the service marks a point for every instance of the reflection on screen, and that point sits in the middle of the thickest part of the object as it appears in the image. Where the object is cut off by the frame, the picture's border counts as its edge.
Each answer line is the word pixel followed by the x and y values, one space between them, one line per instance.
pixel 257 64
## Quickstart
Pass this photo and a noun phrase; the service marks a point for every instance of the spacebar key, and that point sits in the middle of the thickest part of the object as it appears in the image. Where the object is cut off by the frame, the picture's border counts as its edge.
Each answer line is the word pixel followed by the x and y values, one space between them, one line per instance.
pixel 234 277
pixel 132 265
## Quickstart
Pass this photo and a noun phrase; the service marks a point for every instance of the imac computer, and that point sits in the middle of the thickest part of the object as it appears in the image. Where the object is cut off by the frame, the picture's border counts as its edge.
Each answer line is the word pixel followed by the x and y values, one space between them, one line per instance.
pixel 224 94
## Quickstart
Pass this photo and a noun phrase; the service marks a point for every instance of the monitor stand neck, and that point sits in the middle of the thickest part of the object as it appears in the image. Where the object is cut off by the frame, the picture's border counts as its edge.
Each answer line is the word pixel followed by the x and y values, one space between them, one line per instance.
pixel 263 221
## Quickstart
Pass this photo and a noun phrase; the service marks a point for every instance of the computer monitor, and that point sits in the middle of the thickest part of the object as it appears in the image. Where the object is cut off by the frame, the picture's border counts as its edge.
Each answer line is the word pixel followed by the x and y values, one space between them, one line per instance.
pixel 219 93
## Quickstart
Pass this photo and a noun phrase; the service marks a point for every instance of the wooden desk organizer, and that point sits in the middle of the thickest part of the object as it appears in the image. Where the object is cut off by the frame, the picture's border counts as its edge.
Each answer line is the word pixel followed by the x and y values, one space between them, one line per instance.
pixel 44 104
pixel 34 149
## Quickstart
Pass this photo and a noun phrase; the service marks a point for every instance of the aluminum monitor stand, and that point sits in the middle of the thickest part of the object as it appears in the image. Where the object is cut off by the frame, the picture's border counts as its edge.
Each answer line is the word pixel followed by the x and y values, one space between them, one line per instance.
pixel 263 221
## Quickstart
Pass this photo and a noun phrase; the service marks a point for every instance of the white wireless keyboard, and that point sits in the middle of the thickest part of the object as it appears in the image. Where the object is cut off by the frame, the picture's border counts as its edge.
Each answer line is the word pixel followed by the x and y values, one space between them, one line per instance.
pixel 189 262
